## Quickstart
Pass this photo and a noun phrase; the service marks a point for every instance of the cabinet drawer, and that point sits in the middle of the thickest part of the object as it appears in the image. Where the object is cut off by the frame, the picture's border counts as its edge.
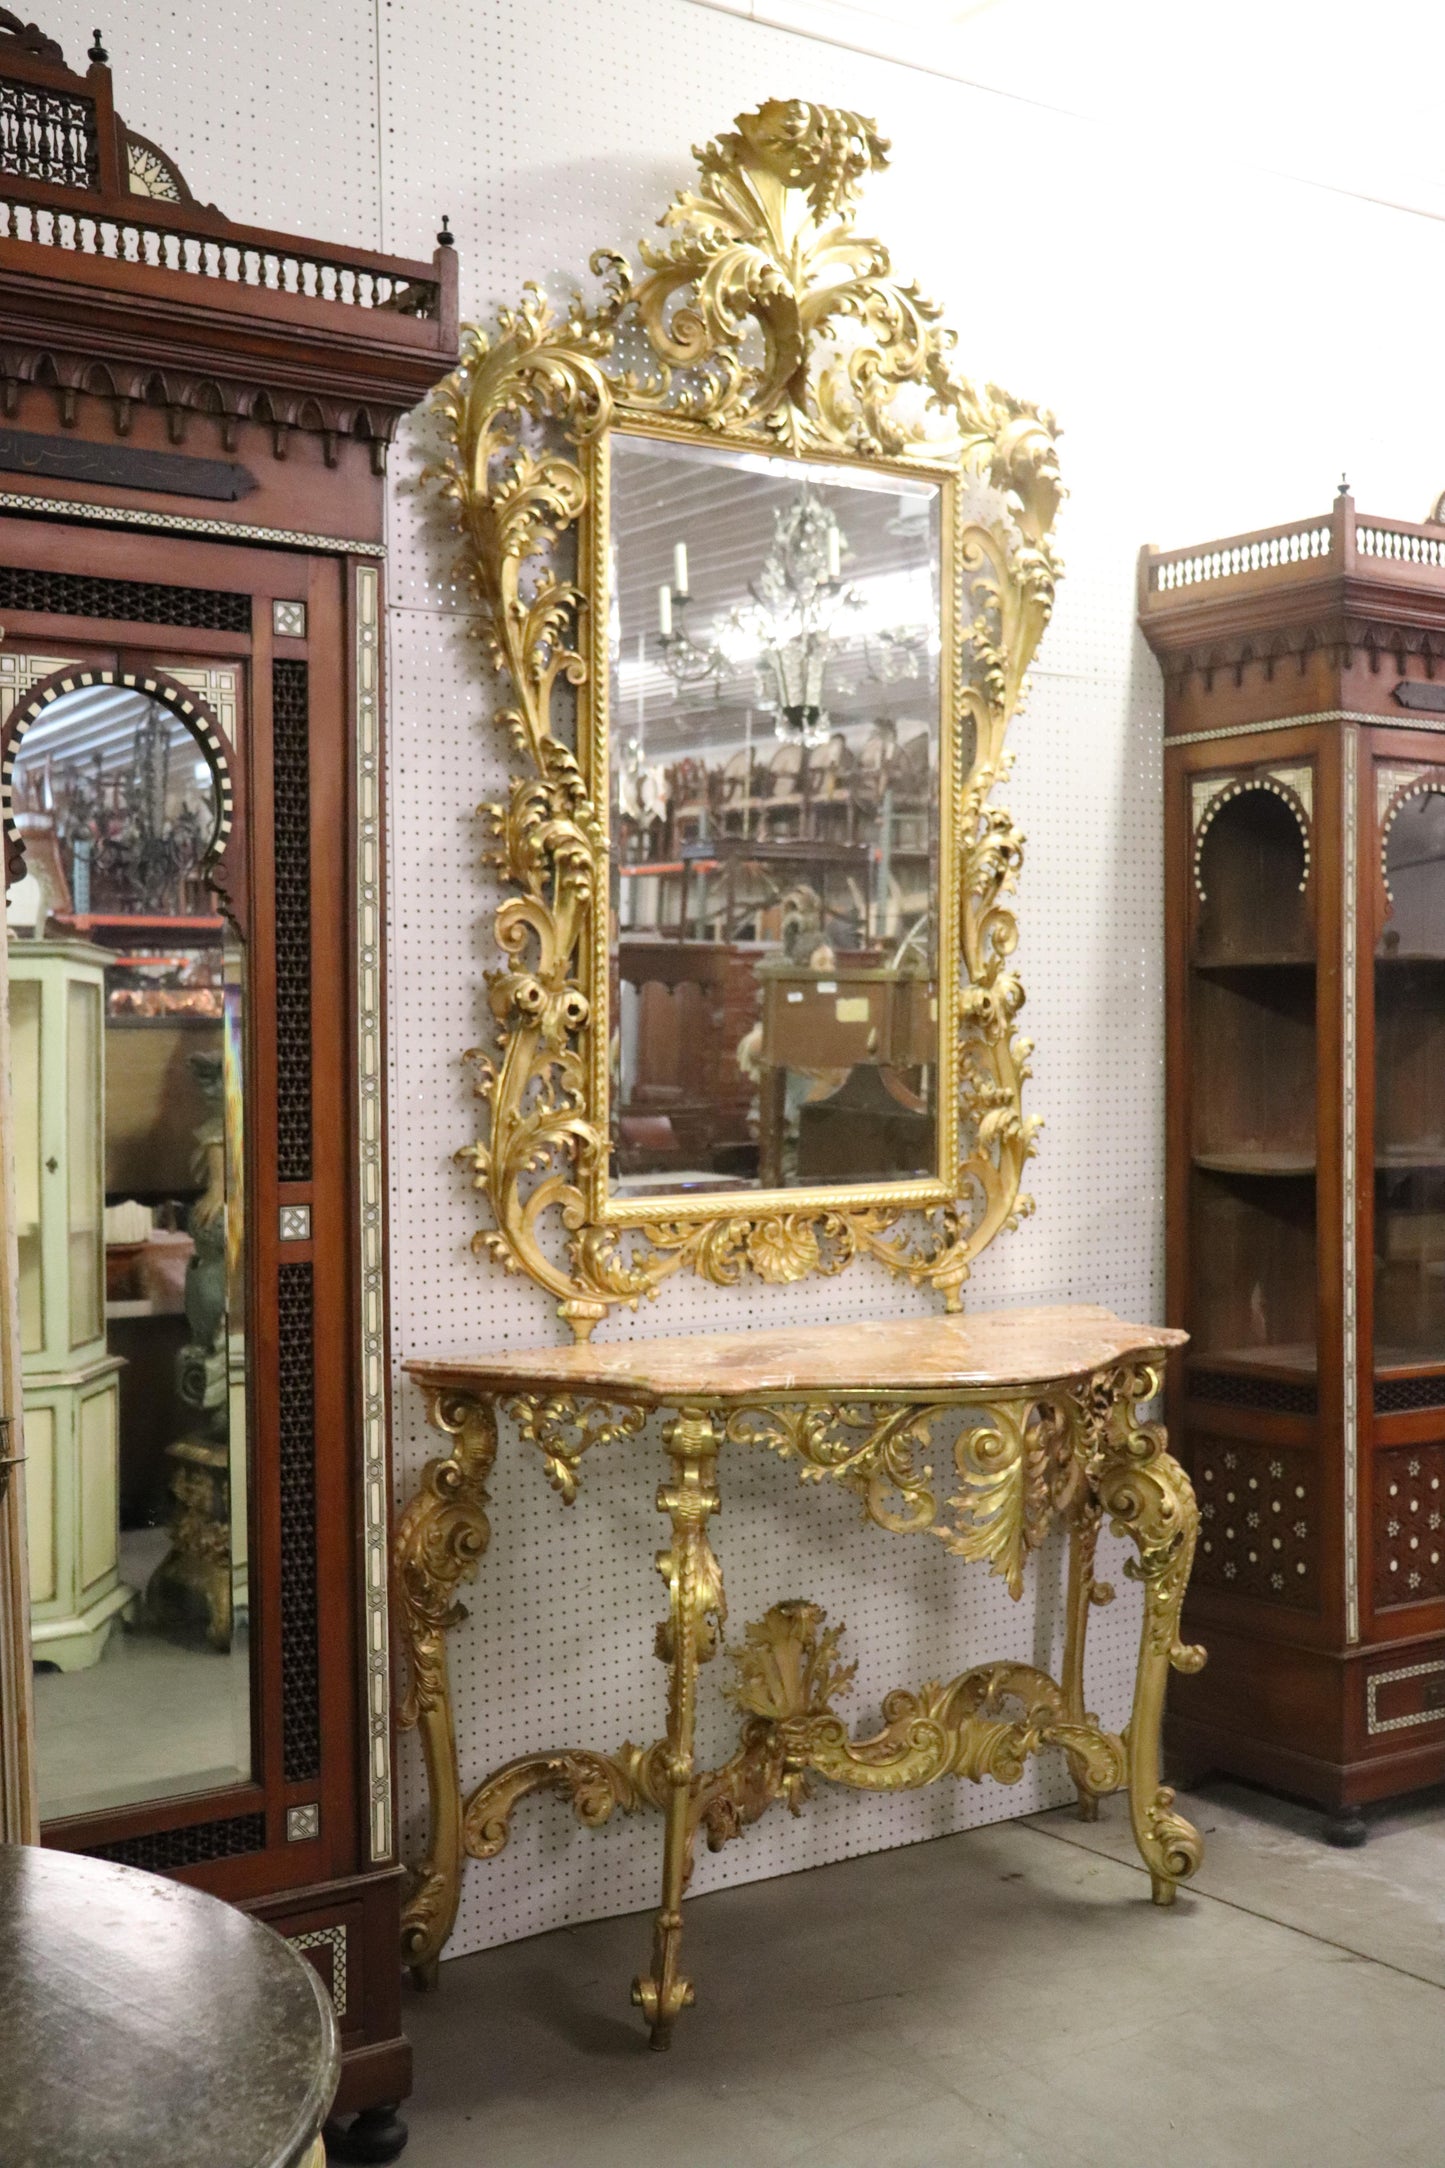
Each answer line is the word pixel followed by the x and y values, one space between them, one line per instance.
pixel 1405 1697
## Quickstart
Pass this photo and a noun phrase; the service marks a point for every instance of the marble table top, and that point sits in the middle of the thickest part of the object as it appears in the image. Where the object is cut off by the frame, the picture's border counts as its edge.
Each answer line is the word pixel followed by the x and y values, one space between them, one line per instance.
pixel 922 1357
pixel 144 2024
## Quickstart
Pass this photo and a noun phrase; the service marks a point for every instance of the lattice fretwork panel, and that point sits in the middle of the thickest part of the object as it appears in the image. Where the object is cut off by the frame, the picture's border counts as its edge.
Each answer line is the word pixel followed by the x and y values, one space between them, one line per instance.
pixel 1251 1389
pixel 135 602
pixel 1403 1396
pixel 300 1687
pixel 1259 1520
pixel 292 757
pixel 193 1846
pixel 1409 1524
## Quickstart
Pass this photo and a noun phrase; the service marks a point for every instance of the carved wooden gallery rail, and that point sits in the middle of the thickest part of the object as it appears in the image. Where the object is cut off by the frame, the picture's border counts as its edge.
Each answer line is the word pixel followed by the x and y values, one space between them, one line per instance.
pixel 1041 1407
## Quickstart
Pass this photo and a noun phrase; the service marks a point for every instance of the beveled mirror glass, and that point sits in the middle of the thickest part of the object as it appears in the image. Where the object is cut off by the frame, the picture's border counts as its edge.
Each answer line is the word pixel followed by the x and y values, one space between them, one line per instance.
pixel 761 576
pixel 127 1005
pixel 774 734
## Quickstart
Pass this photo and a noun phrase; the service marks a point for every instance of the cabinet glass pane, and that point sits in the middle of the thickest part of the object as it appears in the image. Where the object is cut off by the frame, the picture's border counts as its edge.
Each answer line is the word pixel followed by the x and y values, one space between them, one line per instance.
pixel 25 1117
pixel 1252 1051
pixel 82 1159
pixel 1410 1086
pixel 134 1102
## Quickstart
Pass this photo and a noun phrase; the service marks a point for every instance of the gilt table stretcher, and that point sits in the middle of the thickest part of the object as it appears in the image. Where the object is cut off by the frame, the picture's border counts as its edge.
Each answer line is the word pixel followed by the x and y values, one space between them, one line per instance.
pixel 1039 1413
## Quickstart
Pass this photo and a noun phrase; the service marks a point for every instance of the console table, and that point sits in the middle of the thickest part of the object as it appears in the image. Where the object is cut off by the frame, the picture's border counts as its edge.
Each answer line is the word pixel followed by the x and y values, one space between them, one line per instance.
pixel 1038 1413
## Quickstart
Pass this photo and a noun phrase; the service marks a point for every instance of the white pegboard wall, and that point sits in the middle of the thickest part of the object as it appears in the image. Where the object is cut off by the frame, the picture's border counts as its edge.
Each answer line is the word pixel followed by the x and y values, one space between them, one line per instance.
pixel 268 107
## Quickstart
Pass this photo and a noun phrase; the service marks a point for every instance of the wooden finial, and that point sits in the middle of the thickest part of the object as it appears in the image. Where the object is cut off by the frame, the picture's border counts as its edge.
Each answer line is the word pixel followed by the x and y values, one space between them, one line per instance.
pixel 98 52
pixel 446 238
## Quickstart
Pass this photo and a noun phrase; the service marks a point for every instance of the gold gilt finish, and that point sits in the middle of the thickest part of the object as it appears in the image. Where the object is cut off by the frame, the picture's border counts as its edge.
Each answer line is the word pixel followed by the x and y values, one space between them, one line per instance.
pixel 1073 1449
pixel 763 318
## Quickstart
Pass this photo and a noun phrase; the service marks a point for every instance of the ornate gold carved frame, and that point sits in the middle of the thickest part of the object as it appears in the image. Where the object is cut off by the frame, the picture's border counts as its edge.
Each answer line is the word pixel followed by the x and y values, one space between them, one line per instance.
pixel 764 319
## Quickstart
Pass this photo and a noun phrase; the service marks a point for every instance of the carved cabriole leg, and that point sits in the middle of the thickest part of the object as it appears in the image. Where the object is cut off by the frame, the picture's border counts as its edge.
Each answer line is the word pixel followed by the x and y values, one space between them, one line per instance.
pixel 439 1543
pixel 1149 1499
pixel 689 1636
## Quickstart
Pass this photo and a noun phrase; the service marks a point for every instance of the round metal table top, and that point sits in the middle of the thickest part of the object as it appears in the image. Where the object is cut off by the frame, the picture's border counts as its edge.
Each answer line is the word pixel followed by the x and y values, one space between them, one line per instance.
pixel 147 2025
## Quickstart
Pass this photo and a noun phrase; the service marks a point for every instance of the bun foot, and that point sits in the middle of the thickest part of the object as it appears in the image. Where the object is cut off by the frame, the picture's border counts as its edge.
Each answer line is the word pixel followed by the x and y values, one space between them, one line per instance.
pixel 375 2134
pixel 1345 1827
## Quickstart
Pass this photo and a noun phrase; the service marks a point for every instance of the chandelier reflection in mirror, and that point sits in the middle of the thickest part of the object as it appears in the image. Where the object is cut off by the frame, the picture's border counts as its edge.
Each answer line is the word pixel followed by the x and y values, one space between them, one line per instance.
pixel 798 615
pixel 688 661
pixel 134 837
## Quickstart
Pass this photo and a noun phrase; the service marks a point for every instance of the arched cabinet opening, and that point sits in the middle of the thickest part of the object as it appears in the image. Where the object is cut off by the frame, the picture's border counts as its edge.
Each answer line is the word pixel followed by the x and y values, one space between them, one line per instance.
pixel 1253 1084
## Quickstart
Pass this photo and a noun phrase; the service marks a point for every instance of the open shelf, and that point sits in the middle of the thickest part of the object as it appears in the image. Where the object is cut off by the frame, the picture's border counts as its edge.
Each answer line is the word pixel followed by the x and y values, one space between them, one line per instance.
pixel 1279 962
pixel 1256 1160
pixel 1252 1046
pixel 1296 1359
pixel 1254 1268
pixel 1394 1360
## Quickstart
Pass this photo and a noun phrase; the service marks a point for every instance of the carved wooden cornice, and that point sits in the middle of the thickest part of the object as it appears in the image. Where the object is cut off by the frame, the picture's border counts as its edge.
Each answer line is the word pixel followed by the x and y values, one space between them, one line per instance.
pixel 1339 588
pixel 117 286
pixel 1337 635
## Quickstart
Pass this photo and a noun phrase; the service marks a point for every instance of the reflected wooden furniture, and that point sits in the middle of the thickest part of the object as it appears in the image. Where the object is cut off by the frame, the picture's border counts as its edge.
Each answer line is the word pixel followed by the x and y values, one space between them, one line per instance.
pixel 1305 767
pixel 845 1018
pixel 1039 1410
pixel 197 421
pixel 152 2027
pixel 695 1002
pixel 71 1376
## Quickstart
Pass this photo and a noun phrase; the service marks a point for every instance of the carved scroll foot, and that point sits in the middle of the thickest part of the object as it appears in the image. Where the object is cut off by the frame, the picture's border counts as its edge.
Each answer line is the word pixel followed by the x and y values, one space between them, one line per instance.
pixel 688 1637
pixel 439 1542
pixel 1150 1499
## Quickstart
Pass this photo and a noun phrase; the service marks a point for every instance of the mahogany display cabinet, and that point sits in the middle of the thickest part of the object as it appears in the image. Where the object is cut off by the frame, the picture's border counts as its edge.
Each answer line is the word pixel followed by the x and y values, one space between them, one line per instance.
pixel 1304 672
pixel 192 455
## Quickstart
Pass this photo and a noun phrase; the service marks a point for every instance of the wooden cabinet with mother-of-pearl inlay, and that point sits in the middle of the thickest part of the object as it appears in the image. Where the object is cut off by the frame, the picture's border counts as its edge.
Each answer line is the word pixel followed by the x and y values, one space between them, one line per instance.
pixel 192 596
pixel 1304 673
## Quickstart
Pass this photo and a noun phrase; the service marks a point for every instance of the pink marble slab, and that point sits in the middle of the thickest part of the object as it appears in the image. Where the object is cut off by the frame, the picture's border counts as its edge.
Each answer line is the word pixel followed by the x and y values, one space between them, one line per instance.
pixel 988 1350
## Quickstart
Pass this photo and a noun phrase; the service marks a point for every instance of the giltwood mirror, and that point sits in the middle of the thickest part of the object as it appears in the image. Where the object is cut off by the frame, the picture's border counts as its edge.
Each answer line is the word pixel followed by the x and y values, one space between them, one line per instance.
pixel 762 576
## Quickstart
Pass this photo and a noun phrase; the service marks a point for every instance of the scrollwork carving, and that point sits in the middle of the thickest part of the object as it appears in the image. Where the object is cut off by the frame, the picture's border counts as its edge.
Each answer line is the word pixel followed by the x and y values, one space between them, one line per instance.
pixel 563 1428
pixel 787 1675
pixel 764 316
pixel 1015 1460
pixel 1149 1499
pixel 439 1543
pixel 876 1451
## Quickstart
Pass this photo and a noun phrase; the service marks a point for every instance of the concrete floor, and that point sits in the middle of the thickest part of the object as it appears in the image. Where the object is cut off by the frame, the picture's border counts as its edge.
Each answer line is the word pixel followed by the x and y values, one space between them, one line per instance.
pixel 1005 1996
